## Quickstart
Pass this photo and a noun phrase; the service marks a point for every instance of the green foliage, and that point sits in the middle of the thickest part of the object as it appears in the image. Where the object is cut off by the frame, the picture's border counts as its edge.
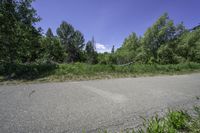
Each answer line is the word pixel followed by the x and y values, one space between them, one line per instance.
pixel 26 71
pixel 173 122
pixel 195 122
pixel 143 56
pixel 51 51
pixel 161 32
pixel 166 55
pixel 72 40
pixel 21 43
pixel 158 125
pixel 113 49
pixel 86 71
pixel 49 33
pixel 163 43
pixel 128 51
pixel 147 49
pixel 91 54
pixel 82 71
pixel 178 120
pixel 189 46
pixel 18 37
pixel 107 58
pixel 132 42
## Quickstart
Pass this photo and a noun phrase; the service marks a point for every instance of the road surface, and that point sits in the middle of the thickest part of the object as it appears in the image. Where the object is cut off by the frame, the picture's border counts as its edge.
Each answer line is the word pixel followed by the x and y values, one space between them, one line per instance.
pixel 114 104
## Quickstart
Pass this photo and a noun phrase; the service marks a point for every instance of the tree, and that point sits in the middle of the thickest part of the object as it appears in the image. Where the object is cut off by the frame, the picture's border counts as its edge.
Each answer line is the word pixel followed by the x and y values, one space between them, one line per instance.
pixel 131 42
pixel 160 33
pixel 19 39
pixel 72 40
pixel 180 30
pixel 91 54
pixel 166 55
pixel 162 43
pixel 128 51
pixel 49 33
pixel 113 49
pixel 196 27
pixel 143 56
pixel 189 46
pixel 8 23
pixel 51 51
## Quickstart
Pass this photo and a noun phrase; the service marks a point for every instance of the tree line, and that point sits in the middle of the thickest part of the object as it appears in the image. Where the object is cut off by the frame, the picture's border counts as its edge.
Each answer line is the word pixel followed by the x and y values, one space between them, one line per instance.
pixel 163 43
pixel 21 42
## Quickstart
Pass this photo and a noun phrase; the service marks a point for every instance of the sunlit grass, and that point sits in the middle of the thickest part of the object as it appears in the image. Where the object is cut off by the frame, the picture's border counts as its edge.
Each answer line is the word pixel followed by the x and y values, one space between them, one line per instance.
pixel 175 121
pixel 82 71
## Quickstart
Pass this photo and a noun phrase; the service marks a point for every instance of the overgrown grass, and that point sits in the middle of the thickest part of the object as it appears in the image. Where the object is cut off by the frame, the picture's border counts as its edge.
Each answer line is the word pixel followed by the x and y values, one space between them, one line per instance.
pixel 81 71
pixel 25 71
pixel 173 122
pixel 176 121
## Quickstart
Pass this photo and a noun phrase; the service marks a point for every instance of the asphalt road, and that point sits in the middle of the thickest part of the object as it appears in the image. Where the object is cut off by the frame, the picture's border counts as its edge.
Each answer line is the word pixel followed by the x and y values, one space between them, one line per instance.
pixel 114 104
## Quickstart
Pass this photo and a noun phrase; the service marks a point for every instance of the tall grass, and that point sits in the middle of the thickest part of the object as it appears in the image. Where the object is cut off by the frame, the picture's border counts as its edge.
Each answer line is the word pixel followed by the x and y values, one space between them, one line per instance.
pixel 26 71
pixel 80 68
pixel 176 121
pixel 81 71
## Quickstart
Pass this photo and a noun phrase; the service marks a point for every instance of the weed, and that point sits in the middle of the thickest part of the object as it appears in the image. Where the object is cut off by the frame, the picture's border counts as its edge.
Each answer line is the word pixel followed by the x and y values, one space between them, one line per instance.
pixel 81 71
pixel 173 122
pixel 177 119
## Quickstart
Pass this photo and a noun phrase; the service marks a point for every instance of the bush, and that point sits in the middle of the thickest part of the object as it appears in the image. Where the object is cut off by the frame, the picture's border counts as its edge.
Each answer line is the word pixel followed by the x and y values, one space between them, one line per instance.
pixel 178 120
pixel 173 122
pixel 26 71
pixel 81 70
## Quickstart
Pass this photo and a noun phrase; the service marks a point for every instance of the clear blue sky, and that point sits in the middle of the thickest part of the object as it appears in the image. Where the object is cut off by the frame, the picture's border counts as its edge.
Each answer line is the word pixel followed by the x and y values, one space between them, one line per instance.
pixel 110 21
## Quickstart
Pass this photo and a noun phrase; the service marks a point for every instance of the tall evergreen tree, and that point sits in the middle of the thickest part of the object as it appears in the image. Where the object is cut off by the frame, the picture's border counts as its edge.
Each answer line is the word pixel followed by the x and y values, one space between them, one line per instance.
pixel 19 39
pixel 113 49
pixel 72 40
pixel 49 33
pixel 91 54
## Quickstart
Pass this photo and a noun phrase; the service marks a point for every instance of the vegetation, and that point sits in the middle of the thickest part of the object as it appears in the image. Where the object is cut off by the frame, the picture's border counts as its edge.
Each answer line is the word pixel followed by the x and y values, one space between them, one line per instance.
pixel 84 71
pixel 24 50
pixel 175 121
pixel 26 54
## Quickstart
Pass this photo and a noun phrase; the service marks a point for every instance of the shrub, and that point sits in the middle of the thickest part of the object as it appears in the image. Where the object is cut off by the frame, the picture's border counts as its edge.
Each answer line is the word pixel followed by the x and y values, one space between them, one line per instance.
pixel 178 120
pixel 26 71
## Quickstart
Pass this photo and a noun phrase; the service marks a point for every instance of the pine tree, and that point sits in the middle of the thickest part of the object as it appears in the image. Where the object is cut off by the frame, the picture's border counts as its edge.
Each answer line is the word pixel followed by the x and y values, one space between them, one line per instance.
pixel 49 33
pixel 113 49
pixel 19 39
pixel 72 40
pixel 91 54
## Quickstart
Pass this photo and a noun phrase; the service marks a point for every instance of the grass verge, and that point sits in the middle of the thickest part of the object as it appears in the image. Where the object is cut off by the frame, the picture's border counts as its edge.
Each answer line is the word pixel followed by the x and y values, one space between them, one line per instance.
pixel 175 121
pixel 81 71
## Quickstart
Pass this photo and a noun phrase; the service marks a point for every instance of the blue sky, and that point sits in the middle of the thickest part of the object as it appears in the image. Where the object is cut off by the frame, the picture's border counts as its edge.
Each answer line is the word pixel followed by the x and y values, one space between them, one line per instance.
pixel 110 21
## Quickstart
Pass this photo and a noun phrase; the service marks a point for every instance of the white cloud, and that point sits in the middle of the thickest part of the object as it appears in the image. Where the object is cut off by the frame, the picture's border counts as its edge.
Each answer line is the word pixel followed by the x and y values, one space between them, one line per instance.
pixel 101 48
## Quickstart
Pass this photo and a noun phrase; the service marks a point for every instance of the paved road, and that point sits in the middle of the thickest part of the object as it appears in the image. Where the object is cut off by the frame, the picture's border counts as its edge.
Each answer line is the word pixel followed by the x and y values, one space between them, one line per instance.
pixel 112 104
